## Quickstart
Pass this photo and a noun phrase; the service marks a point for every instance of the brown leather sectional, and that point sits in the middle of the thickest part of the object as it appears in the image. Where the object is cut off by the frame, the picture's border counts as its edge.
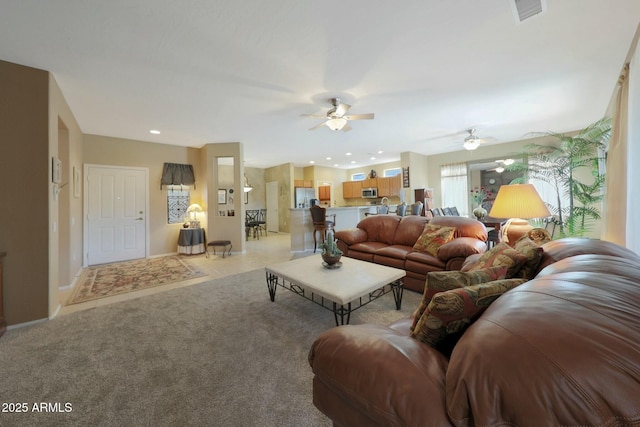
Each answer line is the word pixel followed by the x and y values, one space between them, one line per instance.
pixel 389 240
pixel 560 350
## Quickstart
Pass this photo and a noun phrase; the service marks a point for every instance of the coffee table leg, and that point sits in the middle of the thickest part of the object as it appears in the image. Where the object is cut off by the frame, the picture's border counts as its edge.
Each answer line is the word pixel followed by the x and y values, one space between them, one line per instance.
pixel 272 283
pixel 342 311
pixel 398 287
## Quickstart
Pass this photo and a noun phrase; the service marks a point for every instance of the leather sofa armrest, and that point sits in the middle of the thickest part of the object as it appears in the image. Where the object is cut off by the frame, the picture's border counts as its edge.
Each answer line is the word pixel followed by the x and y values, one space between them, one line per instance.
pixel 351 236
pixel 462 247
pixel 381 374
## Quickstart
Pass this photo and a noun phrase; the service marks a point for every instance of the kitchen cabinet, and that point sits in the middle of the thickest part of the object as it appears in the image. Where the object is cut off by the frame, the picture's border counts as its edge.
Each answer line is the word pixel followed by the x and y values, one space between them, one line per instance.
pixel 395 185
pixel 302 183
pixel 383 187
pixel 390 186
pixel 352 189
pixel 370 183
pixel 324 193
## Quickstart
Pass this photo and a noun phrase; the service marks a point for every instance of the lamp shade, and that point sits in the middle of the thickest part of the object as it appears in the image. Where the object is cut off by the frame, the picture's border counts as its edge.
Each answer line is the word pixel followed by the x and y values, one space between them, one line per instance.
pixel 519 201
pixel 194 208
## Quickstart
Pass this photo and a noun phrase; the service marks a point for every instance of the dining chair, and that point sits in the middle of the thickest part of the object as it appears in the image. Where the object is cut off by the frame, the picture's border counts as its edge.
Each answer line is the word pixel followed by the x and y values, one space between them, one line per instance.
pixel 262 221
pixel 251 223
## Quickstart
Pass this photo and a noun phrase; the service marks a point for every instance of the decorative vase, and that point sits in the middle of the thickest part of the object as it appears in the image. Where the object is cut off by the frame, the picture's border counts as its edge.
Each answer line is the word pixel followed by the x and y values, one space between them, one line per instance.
pixel 331 259
pixel 479 212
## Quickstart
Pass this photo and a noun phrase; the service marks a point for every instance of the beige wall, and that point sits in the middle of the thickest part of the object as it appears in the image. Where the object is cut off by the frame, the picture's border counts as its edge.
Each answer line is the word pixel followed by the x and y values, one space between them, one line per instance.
pixel 25 173
pixel 109 151
pixel 257 197
pixel 284 176
pixel 225 227
pixel 65 210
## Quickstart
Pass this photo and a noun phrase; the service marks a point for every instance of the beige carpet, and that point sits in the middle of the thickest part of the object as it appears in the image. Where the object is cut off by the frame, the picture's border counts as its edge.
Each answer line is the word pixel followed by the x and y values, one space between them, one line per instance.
pixel 218 353
pixel 113 279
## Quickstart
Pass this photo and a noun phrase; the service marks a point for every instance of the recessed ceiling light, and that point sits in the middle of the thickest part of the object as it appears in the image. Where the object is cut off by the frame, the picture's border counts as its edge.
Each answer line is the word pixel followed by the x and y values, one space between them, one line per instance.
pixel 328 158
pixel 335 164
pixel 348 154
pixel 155 132
pixel 372 158
pixel 380 151
pixel 353 161
pixel 312 161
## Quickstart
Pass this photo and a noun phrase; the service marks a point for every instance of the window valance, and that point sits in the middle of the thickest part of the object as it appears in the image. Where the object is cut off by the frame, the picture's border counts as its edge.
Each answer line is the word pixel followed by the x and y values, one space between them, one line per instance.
pixel 177 174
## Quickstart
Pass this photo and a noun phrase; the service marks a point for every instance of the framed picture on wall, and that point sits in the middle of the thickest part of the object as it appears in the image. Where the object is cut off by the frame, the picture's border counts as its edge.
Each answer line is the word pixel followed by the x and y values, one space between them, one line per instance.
pixel 405 177
pixel 222 196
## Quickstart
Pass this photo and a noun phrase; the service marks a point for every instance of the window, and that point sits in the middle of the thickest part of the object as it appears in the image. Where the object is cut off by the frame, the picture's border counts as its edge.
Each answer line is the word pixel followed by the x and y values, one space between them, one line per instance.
pixel 392 172
pixel 455 191
pixel 358 176
pixel 178 198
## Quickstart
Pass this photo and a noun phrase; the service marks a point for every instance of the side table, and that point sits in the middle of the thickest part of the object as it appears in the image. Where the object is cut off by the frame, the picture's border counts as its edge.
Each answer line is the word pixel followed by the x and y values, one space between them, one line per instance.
pixel 192 241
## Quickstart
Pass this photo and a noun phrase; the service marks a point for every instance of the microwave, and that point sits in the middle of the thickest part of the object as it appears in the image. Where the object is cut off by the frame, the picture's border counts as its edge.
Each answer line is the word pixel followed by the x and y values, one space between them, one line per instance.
pixel 369 193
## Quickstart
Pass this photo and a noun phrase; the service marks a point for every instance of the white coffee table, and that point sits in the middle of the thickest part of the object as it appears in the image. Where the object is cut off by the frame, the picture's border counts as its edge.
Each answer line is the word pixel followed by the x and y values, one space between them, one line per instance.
pixel 342 290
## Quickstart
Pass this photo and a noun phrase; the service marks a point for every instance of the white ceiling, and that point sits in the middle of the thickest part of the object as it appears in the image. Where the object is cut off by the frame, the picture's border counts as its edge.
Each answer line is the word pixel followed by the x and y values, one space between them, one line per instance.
pixel 208 71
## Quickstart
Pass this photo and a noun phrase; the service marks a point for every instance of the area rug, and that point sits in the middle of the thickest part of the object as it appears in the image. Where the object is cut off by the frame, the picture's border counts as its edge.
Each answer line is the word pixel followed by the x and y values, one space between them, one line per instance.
pixel 114 279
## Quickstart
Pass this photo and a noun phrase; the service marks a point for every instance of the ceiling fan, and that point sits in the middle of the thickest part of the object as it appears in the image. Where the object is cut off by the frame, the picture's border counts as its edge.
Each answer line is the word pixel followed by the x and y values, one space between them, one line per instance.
pixel 472 141
pixel 337 117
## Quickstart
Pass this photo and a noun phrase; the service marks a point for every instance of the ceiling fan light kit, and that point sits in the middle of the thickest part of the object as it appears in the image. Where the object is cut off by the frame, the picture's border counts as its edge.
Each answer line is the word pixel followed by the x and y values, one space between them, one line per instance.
pixel 336 118
pixel 336 124
pixel 471 142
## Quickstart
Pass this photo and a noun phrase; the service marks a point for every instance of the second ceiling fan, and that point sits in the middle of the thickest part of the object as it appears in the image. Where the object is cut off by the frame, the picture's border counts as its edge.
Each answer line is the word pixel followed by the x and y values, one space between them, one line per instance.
pixel 337 117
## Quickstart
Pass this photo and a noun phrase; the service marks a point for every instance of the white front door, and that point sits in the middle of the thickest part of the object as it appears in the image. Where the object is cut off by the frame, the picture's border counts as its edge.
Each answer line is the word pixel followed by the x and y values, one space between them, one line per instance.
pixel 272 207
pixel 116 213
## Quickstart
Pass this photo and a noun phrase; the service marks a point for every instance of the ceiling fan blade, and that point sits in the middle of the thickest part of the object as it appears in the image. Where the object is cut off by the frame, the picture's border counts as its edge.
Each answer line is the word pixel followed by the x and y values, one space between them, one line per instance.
pixel 366 116
pixel 341 109
pixel 318 126
pixel 346 128
pixel 315 116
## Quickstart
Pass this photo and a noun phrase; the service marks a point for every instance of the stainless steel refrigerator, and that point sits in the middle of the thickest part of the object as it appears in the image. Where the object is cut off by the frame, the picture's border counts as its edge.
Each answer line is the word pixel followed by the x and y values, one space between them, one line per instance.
pixel 304 196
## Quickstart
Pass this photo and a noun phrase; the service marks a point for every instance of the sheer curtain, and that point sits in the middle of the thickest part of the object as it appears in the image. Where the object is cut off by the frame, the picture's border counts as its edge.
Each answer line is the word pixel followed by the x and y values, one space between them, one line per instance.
pixel 455 190
pixel 616 183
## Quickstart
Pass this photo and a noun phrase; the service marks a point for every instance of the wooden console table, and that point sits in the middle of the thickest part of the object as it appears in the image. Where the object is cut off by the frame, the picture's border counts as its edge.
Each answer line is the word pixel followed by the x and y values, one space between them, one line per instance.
pixel 3 323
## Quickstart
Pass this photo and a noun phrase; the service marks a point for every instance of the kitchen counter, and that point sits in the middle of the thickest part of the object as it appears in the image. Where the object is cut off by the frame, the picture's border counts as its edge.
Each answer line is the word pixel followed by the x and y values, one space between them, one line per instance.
pixel 302 225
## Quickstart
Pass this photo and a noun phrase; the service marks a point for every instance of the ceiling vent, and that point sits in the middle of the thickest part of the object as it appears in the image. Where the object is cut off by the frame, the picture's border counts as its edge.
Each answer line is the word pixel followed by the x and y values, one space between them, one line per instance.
pixel 525 9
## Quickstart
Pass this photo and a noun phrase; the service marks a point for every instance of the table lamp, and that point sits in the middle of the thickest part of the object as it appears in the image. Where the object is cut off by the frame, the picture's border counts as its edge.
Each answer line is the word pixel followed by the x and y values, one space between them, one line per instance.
pixel 193 211
pixel 518 202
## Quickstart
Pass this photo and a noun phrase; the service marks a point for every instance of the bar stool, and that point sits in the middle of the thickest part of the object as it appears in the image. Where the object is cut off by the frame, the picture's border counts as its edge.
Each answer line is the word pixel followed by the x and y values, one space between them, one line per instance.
pixel 320 224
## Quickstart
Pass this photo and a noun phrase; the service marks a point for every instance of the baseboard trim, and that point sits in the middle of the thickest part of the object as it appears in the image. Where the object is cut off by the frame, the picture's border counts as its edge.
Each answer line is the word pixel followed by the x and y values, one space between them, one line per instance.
pixel 31 323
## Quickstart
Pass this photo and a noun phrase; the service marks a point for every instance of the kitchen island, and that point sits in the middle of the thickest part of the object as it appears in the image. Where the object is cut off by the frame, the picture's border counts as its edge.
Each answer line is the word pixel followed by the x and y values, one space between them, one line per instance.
pixel 302 225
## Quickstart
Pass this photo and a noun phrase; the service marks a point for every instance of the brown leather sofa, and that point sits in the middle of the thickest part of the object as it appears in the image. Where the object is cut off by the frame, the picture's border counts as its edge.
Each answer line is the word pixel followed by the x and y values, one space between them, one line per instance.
pixel 389 240
pixel 559 350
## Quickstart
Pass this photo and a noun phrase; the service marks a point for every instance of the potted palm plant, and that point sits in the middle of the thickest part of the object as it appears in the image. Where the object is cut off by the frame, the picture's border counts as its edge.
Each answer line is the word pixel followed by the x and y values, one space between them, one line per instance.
pixel 576 208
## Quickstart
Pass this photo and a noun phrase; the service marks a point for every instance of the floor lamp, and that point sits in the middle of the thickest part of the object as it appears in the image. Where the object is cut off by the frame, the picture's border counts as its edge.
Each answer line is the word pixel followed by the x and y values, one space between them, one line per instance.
pixel 519 202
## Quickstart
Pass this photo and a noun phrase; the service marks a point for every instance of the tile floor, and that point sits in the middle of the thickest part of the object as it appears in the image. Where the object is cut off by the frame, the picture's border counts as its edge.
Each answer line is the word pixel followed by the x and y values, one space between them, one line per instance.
pixel 274 248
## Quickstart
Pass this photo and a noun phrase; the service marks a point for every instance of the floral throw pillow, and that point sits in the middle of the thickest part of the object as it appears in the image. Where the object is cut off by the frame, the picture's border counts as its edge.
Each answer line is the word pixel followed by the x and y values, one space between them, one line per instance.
pixel 441 281
pixel 452 312
pixel 432 237
pixel 533 252
pixel 501 255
